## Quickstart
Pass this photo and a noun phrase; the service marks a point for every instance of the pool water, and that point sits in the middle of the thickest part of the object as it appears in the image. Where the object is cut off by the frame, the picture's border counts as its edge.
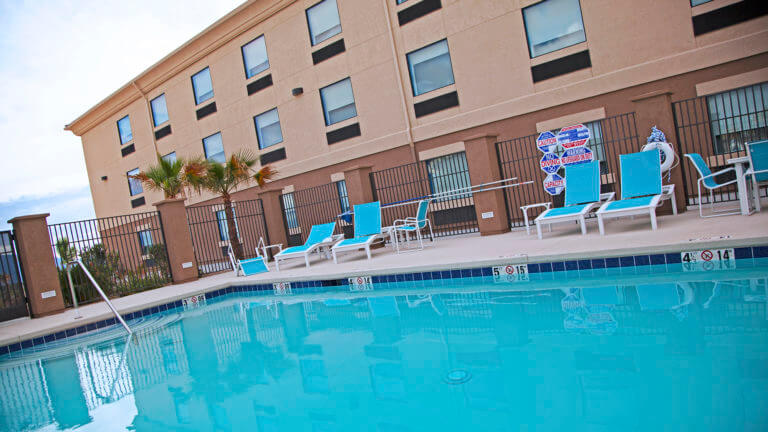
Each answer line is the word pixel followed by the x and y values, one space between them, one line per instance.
pixel 657 349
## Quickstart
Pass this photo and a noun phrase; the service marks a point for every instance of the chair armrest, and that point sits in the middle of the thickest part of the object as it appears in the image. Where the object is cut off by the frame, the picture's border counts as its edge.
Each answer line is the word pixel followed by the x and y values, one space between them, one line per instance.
pixel 608 196
pixel 542 204
pixel 719 172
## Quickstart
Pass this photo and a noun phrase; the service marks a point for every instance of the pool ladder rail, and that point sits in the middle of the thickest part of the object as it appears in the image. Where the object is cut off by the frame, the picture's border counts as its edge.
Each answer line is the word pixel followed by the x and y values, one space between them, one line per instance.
pixel 69 266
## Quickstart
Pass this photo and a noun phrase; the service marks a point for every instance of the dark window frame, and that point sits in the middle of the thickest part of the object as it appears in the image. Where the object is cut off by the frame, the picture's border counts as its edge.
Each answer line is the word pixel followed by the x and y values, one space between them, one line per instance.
pixel 322 101
pixel 408 63
pixel 130 190
pixel 119 134
pixel 222 147
pixel 152 110
pixel 256 127
pixel 309 29
pixel 242 53
pixel 525 28
pixel 194 91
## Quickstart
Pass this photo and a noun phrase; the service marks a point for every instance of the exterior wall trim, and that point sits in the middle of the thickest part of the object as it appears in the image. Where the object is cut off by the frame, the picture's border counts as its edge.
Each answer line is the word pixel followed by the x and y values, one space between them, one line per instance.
pixel 731 82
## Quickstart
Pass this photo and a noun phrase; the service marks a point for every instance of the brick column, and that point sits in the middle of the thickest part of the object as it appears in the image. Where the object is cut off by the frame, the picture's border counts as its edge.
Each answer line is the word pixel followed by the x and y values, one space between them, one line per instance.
pixel 41 278
pixel 358 181
pixel 273 215
pixel 483 163
pixel 655 109
pixel 178 240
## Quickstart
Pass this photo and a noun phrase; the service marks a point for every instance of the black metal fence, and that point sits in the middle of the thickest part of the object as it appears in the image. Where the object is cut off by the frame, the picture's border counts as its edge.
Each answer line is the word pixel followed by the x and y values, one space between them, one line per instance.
pixel 13 301
pixel 519 157
pixel 125 254
pixel 717 127
pixel 451 215
pixel 210 232
pixel 316 205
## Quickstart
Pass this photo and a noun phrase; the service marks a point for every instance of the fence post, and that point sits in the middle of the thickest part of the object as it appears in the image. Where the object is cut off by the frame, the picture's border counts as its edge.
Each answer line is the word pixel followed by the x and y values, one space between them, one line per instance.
pixel 273 216
pixel 483 164
pixel 358 181
pixel 178 240
pixel 655 109
pixel 41 279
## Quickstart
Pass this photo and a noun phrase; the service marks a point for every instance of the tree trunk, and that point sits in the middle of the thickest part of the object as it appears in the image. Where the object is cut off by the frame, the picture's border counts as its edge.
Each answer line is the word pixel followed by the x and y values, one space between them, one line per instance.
pixel 234 240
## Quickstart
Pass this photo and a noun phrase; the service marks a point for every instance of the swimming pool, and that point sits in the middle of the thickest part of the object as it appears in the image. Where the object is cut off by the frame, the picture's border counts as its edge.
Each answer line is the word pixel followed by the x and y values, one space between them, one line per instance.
pixel 651 347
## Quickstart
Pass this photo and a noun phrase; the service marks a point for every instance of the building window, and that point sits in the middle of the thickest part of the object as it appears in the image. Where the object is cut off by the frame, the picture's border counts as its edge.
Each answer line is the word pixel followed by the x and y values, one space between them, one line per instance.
pixel 698 2
pixel 552 25
pixel 289 211
pixel 268 130
pixel 447 174
pixel 159 110
pixel 341 188
pixel 430 68
pixel 338 102
pixel 255 57
pixel 145 241
pixel 202 86
pixel 214 148
pixel 323 21
pixel 134 185
pixel 737 117
pixel 221 218
pixel 124 129
pixel 170 158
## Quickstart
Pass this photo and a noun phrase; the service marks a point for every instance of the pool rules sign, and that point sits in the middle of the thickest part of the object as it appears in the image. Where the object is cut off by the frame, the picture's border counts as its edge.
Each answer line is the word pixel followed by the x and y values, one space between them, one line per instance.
pixel 568 147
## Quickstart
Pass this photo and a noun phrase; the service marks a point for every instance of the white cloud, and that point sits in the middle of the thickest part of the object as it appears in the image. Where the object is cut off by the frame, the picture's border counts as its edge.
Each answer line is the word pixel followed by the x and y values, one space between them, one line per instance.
pixel 58 58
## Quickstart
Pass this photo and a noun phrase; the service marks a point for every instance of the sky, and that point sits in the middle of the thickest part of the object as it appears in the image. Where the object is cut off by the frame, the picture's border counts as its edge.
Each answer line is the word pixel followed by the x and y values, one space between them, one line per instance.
pixel 58 58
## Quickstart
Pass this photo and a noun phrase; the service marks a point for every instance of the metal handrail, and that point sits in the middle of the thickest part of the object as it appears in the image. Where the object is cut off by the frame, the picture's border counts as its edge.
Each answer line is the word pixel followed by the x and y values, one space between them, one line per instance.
pixel 98 289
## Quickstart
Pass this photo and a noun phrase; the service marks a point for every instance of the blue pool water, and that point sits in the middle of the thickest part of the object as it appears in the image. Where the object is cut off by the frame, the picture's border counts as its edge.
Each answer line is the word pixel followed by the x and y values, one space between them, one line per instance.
pixel 655 348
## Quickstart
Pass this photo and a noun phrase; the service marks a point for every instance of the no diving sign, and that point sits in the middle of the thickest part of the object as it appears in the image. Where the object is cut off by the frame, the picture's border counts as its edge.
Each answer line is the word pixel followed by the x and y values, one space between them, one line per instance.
pixel 708 259
pixel 360 283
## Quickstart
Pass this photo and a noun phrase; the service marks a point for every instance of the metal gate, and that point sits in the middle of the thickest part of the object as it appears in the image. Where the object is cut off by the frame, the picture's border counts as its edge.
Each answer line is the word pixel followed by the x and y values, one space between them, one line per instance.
pixel 210 232
pixel 717 127
pixel 13 300
pixel 519 157
pixel 316 205
pixel 405 184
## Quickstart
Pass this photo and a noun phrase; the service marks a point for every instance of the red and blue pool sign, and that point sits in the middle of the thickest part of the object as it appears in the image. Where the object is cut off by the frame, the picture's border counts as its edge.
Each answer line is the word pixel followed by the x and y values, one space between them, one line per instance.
pixel 573 136
pixel 554 184
pixel 550 163
pixel 546 142
pixel 576 155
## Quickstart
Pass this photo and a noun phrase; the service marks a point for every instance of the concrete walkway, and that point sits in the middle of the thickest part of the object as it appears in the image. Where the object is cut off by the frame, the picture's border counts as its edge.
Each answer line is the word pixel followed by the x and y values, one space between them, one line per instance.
pixel 623 237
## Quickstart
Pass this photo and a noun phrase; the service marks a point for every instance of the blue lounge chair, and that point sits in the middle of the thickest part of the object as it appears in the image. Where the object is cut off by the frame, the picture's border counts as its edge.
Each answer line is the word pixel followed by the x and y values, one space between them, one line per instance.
pixel 641 190
pixel 582 194
pixel 319 236
pixel 707 179
pixel 247 267
pixel 758 167
pixel 367 230
pixel 413 225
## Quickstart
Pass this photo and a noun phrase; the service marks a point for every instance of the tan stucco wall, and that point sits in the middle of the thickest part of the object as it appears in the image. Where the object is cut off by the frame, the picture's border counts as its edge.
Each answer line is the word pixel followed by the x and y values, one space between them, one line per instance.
pixel 631 44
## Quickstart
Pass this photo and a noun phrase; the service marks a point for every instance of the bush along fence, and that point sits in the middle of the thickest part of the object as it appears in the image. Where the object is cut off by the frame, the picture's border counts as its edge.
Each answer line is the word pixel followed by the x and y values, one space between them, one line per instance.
pixel 125 254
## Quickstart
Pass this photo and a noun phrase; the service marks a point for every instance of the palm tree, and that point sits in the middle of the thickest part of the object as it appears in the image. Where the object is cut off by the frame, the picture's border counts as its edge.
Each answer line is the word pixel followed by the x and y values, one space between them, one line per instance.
pixel 167 176
pixel 223 179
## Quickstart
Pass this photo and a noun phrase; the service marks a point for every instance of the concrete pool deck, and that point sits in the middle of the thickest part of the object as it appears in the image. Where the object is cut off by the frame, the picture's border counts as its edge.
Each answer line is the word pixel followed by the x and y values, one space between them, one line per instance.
pixel 686 231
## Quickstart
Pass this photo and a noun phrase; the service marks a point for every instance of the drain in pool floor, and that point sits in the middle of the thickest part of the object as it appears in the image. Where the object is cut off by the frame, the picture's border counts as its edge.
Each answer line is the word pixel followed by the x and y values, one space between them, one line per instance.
pixel 457 376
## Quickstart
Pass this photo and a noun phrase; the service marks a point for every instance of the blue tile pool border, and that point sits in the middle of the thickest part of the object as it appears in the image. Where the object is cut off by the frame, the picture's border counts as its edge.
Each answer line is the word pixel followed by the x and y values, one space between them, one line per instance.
pixel 629 264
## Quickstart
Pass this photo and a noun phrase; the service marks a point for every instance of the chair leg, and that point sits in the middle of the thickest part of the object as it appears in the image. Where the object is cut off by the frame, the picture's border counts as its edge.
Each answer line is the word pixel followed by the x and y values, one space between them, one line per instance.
pixel 653 219
pixel 756 192
pixel 674 203
pixel 334 256
pixel 306 259
pixel 538 229
pixel 277 264
pixel 368 251
pixel 701 210
pixel 600 224
pixel 583 225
